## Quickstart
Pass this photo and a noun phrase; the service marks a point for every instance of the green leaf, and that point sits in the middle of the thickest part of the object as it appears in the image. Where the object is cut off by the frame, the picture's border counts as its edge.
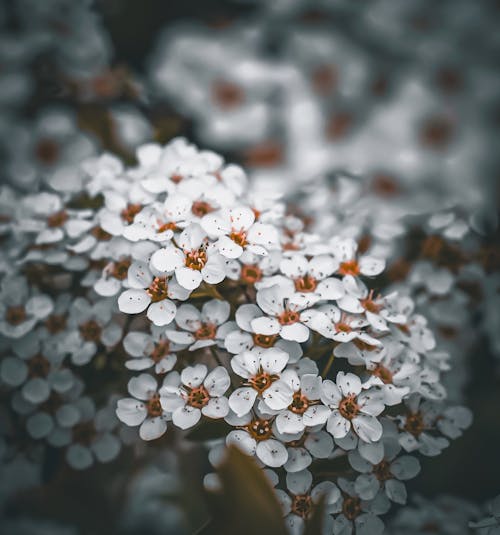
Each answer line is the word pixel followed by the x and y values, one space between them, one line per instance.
pixel 247 504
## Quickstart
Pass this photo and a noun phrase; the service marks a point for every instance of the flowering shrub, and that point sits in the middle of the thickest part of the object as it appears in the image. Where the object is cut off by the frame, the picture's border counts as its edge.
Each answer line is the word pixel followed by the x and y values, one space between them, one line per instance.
pixel 240 324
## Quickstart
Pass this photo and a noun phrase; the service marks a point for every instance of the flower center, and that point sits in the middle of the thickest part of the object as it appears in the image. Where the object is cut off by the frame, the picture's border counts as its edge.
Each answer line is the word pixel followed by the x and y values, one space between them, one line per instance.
pixel 250 274
pixel 363 346
pixel 382 471
pixel 196 259
pixel 299 403
pixel 176 178
pixel 432 247
pixel 351 508
pixel 90 331
pixel 260 429
pixel 16 315
pixel 163 227
pixel 227 94
pixel 302 505
pixel 153 406
pixel 55 323
pixel 160 350
pixel 351 267
pixel 198 397
pixel 100 234
pixel 264 340
pixel 369 304
pixel 38 366
pixel 201 208
pixel 306 284
pixel 262 381
pixel 239 237
pixel 414 424
pixel 119 270
pixel 349 407
pixel 383 373
pixel 58 219
pixel 47 151
pixel 207 331
pixel 324 79
pixel 128 213
pixel 84 433
pixel 158 289
pixel 288 317
pixel 343 327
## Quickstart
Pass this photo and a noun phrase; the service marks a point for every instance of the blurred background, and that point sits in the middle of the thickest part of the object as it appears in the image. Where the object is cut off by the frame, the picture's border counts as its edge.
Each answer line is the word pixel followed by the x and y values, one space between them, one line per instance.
pixel 402 97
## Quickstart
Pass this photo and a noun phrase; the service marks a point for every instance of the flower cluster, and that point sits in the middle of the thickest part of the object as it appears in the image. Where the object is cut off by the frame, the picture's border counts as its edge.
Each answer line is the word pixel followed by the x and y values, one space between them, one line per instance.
pixel 227 307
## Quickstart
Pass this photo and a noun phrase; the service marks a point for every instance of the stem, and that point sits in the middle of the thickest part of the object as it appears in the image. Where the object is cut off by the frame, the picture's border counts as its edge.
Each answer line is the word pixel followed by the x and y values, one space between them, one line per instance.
pixel 328 365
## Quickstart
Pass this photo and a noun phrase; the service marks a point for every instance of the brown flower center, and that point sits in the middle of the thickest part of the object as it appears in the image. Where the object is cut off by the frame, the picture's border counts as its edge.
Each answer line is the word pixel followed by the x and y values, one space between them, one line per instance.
pixel 47 151
pixel 414 424
pixel 383 373
pixel 55 323
pixel 250 274
pixel 382 471
pixel 16 315
pixel 128 213
pixel 288 317
pixel 267 154
pixel 160 350
pixel 264 340
pixel 176 178
pixel 239 237
pixel 302 505
pixel 163 227
pixel 385 185
pixel 369 304
pixel 306 284
pixel 324 79
pixel 338 125
pixel 227 94
pixel 343 326
pixel 38 366
pixel 351 508
pixel 198 397
pixel 84 433
pixel 196 259
pixel 90 331
pixel 153 406
pixel 201 208
pixel 260 429
pixel 299 403
pixel 262 381
pixel 58 219
pixel 158 289
pixel 351 267
pixel 100 234
pixel 119 270
pixel 436 132
pixel 207 331
pixel 349 407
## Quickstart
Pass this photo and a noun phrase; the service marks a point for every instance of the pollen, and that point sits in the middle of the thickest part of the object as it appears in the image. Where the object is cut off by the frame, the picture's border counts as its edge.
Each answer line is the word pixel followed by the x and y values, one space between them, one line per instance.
pixel 16 315
pixel 306 284
pixel 289 317
pixel 158 289
pixel 260 429
pixel 250 274
pixel 263 340
pixel 262 381
pixel 299 403
pixel 206 332
pixel 198 397
pixel 196 259
pixel 57 219
pixel 153 406
pixel 90 331
pixel 349 407
pixel 239 237
pixel 302 505
pixel 128 214
pixel 351 267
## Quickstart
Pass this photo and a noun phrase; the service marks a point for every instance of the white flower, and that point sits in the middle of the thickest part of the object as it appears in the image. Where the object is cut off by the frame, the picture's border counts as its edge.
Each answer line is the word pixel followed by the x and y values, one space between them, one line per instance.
pixel 313 275
pixel 256 438
pixel 352 408
pixel 300 498
pixel 202 329
pixel 284 313
pixel 144 408
pixel 20 311
pixel 236 231
pixel 261 369
pixel 330 322
pixel 344 250
pixel 194 393
pixel 305 409
pixel 149 350
pixel 193 262
pixel 151 292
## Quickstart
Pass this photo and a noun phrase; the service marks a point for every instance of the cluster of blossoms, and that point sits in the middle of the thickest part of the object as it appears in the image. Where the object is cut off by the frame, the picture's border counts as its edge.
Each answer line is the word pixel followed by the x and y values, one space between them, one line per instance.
pixel 227 308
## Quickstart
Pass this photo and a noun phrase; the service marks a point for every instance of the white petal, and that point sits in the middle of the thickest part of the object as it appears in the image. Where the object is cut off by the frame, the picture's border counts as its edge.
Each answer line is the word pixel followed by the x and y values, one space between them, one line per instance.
pixel 139 275
pixel 217 381
pixel 348 383
pixel 265 325
pixel 228 248
pixel 299 483
pixel 216 408
pixel 133 301
pixel 167 260
pixel 162 313
pixel 297 332
pixel 337 425
pixel 193 376
pixel 186 417
pixel 152 428
pixel 272 453
pixel 130 411
pixel 242 399
pixel 278 396
pixel 242 440
pixel 188 278
pixel 215 311
pixel 367 427
pixel 142 386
